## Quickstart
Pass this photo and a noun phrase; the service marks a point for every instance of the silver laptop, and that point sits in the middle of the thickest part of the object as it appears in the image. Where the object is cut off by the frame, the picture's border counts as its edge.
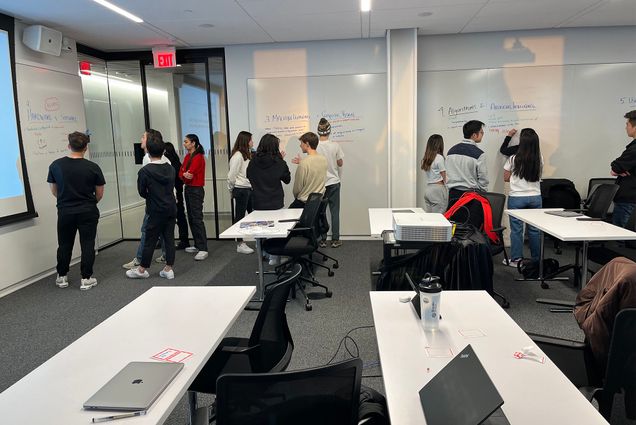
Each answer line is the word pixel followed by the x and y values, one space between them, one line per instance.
pixel 135 387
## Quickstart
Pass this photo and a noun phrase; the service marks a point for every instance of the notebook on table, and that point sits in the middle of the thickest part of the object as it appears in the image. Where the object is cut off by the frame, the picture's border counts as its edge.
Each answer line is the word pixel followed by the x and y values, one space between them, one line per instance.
pixel 565 213
pixel 462 394
pixel 135 387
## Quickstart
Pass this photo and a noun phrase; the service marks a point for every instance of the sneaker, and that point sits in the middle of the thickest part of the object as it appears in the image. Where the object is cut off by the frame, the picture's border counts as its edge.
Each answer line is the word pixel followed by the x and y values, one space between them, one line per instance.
pixel 88 283
pixel 511 263
pixel 336 244
pixel 167 274
pixel 134 263
pixel 242 248
pixel 191 249
pixel 322 244
pixel 274 260
pixel 201 255
pixel 161 259
pixel 61 281
pixel 136 274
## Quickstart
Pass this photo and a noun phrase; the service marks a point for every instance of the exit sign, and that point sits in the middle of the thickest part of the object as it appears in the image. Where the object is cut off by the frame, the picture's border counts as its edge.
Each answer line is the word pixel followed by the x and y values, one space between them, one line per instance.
pixel 164 57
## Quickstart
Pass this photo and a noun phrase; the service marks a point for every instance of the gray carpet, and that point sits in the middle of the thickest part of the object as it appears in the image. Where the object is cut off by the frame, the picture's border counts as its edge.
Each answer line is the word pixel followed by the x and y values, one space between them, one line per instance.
pixel 38 321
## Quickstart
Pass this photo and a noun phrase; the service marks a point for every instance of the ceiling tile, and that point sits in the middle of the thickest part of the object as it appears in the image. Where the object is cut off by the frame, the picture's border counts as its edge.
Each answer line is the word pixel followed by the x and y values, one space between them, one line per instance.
pixel 609 13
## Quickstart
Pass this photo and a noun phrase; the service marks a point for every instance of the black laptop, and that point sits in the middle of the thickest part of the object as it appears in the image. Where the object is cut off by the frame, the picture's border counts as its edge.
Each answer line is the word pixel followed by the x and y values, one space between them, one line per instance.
pixel 462 394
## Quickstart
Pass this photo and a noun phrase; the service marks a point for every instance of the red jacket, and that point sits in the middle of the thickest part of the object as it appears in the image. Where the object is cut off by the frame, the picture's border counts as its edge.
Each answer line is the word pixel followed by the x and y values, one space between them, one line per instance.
pixel 197 168
pixel 472 196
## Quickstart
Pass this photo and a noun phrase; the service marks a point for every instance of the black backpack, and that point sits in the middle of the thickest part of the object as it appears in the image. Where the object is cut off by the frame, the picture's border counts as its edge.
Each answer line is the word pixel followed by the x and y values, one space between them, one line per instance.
pixel 530 268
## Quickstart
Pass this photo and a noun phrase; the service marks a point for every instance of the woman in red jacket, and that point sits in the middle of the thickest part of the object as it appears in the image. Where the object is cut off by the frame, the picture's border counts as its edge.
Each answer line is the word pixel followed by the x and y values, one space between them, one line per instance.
pixel 192 173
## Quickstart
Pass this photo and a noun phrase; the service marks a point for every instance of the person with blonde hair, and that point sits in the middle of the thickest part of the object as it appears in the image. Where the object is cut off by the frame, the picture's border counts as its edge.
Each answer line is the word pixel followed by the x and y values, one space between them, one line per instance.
pixel 433 164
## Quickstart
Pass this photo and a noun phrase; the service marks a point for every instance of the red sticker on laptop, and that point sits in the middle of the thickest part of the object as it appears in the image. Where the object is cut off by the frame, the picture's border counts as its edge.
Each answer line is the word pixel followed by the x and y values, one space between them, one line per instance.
pixel 172 355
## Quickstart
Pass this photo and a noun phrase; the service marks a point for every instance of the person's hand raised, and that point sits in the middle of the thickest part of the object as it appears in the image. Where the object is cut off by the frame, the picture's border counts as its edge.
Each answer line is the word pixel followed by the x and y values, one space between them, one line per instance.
pixel 512 132
pixel 296 159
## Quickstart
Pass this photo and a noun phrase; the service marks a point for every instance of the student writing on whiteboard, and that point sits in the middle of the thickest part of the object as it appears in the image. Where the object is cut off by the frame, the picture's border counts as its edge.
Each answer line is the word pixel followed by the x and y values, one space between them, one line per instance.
pixel 238 184
pixel 192 173
pixel 523 171
pixel 624 168
pixel 433 164
pixel 135 262
pixel 311 172
pixel 505 148
pixel 78 185
pixel 332 151
pixel 155 183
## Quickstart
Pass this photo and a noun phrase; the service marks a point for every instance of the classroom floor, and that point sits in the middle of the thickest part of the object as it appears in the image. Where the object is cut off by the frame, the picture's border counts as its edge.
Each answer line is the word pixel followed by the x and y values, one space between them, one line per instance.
pixel 38 321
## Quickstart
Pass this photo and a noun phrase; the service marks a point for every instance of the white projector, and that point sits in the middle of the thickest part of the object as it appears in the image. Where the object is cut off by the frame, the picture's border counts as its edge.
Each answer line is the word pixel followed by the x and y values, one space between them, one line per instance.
pixel 428 227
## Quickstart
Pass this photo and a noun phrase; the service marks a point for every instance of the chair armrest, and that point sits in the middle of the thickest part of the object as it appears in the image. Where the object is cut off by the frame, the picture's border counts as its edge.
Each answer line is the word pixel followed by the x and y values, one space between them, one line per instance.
pixel 299 229
pixel 498 229
pixel 569 356
pixel 239 350
pixel 289 220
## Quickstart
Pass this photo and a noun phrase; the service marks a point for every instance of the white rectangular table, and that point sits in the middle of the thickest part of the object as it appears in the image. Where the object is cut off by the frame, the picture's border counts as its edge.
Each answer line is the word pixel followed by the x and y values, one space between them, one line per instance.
pixel 533 393
pixel 193 319
pixel 279 230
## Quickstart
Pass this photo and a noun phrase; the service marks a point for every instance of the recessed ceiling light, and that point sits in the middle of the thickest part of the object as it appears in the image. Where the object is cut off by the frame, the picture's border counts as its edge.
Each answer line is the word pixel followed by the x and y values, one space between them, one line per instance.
pixel 119 10
pixel 206 26
pixel 365 5
pixel 424 14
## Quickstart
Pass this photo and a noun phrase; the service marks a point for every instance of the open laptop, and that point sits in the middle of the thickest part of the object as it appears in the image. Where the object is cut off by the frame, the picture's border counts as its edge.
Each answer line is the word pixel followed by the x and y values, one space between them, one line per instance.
pixel 462 394
pixel 135 387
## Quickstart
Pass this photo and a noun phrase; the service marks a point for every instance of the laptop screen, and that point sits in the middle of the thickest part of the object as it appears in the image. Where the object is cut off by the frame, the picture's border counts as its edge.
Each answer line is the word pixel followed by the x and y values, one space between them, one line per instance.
pixel 461 393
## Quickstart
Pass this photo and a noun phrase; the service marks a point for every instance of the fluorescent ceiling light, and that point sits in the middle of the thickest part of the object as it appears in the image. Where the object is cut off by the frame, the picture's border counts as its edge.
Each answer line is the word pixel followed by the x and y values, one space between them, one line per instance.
pixel 119 10
pixel 365 5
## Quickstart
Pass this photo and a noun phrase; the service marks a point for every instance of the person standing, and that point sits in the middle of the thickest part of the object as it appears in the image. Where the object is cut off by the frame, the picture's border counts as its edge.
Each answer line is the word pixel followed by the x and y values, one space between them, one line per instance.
pixel 505 148
pixel 238 184
pixel 182 222
pixel 192 173
pixel 624 168
pixel 523 171
pixel 435 193
pixel 78 185
pixel 311 172
pixel 266 171
pixel 155 183
pixel 333 153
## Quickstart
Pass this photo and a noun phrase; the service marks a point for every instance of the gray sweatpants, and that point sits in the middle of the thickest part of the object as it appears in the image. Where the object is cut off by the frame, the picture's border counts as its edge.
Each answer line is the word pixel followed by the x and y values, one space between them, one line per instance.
pixel 435 198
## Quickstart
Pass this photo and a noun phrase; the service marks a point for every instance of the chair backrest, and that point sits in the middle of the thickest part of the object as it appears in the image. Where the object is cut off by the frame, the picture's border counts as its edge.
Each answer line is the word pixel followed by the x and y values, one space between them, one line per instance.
pixel 270 331
pixel 595 181
pixel 497 204
pixel 598 204
pixel 319 396
pixel 621 362
pixel 559 193
pixel 309 217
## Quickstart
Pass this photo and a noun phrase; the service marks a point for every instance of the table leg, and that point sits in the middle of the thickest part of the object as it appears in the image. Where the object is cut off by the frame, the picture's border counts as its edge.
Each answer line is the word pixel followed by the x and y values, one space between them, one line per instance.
pixel 261 279
pixel 583 280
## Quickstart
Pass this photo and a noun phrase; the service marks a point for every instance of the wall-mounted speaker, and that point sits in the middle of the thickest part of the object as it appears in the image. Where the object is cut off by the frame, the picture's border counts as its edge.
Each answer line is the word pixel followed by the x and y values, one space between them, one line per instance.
pixel 43 39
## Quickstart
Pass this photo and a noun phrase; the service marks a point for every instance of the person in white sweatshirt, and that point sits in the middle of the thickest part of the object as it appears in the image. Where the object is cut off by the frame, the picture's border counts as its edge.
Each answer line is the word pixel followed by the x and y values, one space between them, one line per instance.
pixel 238 184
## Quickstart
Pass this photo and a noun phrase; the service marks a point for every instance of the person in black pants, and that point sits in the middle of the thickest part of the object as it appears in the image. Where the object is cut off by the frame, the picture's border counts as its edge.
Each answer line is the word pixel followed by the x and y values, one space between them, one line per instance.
pixel 155 183
pixel 78 185
pixel 182 222
pixel 238 184
pixel 624 169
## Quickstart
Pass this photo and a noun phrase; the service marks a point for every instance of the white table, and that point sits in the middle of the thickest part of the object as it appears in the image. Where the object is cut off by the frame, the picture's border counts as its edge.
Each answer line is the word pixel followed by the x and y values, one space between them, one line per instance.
pixel 280 230
pixel 569 229
pixel 381 219
pixel 193 319
pixel 533 393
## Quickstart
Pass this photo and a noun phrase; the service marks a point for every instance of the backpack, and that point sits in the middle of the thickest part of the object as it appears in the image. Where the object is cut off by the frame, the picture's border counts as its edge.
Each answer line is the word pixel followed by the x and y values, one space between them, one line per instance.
pixel 530 268
pixel 560 193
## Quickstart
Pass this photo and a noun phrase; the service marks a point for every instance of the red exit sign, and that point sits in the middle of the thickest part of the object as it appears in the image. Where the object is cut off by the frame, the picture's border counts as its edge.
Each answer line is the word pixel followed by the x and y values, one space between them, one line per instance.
pixel 164 57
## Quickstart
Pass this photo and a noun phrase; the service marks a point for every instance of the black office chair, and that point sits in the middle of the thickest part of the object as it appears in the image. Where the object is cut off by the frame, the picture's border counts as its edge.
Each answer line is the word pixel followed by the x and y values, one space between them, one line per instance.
pixel 600 201
pixel 301 241
pixel 605 252
pixel 591 187
pixel 576 362
pixel 559 193
pixel 319 396
pixel 497 204
pixel 268 349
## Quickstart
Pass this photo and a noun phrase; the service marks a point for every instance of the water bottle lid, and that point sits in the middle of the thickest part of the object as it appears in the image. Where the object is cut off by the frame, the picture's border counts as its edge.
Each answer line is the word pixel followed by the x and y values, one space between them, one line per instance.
pixel 431 288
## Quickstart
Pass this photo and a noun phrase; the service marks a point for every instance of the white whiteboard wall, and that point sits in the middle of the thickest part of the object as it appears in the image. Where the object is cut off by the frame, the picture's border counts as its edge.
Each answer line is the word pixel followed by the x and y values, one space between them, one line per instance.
pixel 356 107
pixel 50 106
pixel 577 110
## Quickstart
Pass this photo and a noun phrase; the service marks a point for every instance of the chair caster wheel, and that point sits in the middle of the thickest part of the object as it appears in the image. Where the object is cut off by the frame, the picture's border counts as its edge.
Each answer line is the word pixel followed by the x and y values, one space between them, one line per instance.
pixel 324 258
pixel 330 273
pixel 328 294
pixel 308 307
pixel 336 265
pixel 545 285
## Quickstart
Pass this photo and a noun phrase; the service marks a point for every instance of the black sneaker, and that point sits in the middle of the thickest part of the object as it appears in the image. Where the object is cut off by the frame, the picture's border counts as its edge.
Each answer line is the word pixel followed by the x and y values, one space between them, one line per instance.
pixel 181 246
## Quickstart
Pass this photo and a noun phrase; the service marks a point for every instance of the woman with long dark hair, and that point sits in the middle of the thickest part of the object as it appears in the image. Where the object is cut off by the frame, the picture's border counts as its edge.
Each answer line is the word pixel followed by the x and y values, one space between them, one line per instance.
pixel 266 171
pixel 523 171
pixel 182 223
pixel 192 172
pixel 238 184
pixel 435 193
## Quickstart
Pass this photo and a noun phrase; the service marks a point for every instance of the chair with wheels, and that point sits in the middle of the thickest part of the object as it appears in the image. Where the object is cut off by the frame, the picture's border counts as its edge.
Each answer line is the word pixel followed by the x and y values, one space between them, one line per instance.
pixel 268 349
pixel 592 186
pixel 323 395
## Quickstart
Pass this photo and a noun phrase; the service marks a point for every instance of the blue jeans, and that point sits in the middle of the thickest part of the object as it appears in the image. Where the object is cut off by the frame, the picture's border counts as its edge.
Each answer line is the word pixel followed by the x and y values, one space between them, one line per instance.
pixel 516 227
pixel 142 240
pixel 332 194
pixel 622 211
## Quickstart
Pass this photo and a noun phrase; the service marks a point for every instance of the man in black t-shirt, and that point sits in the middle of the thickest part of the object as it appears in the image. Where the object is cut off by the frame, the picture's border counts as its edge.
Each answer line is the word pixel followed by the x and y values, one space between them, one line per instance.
pixel 78 185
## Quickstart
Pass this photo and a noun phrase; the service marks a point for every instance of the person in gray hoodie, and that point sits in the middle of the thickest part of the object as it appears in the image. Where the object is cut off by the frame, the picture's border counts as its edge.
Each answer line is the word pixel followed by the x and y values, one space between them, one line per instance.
pixel 155 183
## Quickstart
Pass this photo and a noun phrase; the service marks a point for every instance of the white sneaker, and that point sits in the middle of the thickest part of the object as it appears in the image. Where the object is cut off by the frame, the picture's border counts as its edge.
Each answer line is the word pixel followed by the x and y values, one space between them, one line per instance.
pixel 274 260
pixel 61 281
pixel 201 255
pixel 167 274
pixel 134 263
pixel 88 283
pixel 136 274
pixel 161 259
pixel 192 249
pixel 511 263
pixel 242 248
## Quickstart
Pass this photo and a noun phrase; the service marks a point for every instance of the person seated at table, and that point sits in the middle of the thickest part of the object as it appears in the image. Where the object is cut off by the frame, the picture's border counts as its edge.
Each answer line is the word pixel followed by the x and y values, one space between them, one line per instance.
pixel 523 171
